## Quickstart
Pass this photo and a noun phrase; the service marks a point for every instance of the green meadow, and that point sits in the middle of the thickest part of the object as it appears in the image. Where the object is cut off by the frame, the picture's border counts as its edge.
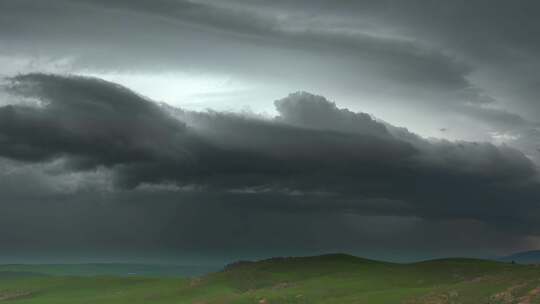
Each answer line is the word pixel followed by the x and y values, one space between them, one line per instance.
pixel 337 278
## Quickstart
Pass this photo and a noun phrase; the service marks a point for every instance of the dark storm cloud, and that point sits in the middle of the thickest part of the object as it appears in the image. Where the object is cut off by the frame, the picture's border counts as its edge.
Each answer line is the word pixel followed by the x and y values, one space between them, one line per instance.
pixel 317 112
pixel 182 34
pixel 91 121
pixel 92 127
pixel 292 163
pixel 445 58
pixel 86 163
pixel 481 24
pixel 497 39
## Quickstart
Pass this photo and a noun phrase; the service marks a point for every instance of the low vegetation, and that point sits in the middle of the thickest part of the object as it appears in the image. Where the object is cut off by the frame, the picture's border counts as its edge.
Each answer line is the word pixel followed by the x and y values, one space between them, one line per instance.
pixel 338 279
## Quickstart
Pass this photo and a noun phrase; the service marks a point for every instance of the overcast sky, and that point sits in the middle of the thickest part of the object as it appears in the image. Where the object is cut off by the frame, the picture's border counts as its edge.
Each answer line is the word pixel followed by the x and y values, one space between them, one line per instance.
pixel 248 128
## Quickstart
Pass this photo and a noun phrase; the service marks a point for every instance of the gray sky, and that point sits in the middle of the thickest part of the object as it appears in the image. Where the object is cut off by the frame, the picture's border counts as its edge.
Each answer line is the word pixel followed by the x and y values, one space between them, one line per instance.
pixel 247 128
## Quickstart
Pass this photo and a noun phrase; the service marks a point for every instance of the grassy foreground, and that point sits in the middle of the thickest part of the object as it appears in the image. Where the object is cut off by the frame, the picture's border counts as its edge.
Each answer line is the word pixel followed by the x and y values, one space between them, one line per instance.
pixel 339 279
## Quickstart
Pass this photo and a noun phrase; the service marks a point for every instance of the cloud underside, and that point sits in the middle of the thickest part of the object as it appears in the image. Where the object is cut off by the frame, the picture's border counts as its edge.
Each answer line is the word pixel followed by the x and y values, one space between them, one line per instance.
pixel 83 159
pixel 312 158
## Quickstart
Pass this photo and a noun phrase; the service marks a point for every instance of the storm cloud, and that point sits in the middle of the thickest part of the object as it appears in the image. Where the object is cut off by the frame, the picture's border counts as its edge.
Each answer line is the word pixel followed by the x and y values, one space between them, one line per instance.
pixel 461 66
pixel 236 126
pixel 293 163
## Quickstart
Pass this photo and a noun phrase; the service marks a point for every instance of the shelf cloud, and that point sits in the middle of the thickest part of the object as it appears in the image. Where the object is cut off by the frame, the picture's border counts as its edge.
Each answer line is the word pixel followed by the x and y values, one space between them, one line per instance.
pixel 246 128
pixel 313 157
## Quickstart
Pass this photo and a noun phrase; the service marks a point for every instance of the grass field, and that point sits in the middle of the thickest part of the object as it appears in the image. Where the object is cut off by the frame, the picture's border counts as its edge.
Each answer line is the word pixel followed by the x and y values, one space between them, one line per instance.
pixel 338 279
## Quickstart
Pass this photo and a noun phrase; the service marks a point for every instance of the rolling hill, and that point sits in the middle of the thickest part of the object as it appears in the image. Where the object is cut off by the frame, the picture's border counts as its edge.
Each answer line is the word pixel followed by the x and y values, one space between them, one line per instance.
pixel 111 269
pixel 335 278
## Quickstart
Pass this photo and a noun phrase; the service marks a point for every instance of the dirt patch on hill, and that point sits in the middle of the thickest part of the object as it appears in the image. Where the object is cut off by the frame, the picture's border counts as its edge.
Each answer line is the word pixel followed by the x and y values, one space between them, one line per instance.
pixel 437 298
pixel 506 296
pixel 532 295
pixel 511 296
pixel 14 295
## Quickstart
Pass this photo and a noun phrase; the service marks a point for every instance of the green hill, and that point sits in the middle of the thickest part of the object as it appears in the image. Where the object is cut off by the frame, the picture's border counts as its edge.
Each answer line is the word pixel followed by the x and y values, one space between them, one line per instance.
pixel 334 278
pixel 110 269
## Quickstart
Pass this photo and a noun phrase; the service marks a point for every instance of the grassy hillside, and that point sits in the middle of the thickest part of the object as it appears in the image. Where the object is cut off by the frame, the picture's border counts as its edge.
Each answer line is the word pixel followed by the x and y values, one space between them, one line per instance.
pixel 110 269
pixel 324 279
